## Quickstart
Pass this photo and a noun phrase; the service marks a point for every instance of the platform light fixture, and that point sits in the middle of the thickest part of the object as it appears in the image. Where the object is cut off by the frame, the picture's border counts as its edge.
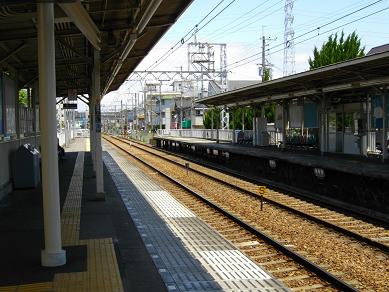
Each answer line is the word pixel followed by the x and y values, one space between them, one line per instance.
pixel 272 164
pixel 319 173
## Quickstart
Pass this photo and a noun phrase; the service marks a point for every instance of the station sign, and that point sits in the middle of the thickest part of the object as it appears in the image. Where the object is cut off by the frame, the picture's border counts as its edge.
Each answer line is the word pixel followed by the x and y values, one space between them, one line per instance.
pixel 70 106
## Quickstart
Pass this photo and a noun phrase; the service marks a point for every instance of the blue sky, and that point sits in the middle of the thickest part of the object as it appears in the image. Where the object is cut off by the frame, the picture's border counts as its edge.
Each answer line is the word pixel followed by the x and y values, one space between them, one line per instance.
pixel 241 25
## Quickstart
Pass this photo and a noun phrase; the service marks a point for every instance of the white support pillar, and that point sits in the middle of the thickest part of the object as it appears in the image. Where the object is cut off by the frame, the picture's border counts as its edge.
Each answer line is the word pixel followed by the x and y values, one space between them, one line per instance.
pixel 97 122
pixel 53 255
pixel 92 131
pixel 65 127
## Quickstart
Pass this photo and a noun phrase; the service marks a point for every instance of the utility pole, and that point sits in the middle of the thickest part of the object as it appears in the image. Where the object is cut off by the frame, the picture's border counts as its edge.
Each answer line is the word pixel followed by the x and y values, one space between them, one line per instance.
pixel 263 58
pixel 121 116
pixel 145 110
pixel 181 111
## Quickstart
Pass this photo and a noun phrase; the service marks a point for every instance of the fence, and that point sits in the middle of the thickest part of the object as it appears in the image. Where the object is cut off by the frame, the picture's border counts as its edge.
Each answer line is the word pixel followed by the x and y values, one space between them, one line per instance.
pixel 224 135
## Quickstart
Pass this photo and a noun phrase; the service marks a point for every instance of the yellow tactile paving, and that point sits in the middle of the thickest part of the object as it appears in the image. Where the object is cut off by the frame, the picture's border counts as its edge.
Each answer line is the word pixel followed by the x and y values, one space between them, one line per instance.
pixel 36 287
pixel 71 211
pixel 102 269
pixel 87 145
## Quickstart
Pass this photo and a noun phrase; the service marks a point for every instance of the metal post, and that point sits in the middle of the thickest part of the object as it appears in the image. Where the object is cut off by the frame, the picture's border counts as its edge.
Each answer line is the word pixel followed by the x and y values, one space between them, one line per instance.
pixel 92 136
pixel 384 121
pixel 145 109
pixel 322 125
pixel 243 117
pixel 181 111
pixel 233 125
pixel 65 121
pixel 212 123
pixel 284 123
pixel 53 255
pixel 254 126
pixel 121 118
pixel 160 106
pixel 99 154
pixel 263 58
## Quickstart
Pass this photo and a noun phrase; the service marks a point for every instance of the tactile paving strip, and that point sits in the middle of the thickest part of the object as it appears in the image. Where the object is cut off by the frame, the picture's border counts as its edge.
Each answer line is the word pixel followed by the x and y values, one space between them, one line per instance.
pixel 188 253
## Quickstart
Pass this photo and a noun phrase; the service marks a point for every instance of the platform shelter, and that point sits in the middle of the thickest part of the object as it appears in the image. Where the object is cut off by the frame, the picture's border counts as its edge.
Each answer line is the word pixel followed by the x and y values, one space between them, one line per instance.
pixel 340 108
pixel 55 50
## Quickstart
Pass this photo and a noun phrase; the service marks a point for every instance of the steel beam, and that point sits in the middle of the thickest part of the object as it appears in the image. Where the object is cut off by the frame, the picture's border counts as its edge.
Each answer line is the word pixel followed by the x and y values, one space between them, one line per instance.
pixel 83 21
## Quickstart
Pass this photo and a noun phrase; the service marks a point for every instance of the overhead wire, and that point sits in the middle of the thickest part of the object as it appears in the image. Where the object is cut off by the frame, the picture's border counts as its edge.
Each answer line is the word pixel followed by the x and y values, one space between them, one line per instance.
pixel 191 33
pixel 320 33
pixel 311 31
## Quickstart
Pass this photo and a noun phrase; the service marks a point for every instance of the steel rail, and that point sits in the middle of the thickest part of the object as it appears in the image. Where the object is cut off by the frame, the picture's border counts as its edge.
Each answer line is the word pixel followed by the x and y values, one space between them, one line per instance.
pixel 327 224
pixel 322 273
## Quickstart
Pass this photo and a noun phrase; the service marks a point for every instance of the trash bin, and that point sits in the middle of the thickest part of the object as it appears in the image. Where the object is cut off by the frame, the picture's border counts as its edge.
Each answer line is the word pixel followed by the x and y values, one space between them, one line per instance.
pixel 25 167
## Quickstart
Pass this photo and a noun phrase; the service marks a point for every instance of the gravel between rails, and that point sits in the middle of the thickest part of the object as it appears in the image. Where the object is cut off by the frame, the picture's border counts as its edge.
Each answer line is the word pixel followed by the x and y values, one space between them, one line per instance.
pixel 366 229
pixel 364 267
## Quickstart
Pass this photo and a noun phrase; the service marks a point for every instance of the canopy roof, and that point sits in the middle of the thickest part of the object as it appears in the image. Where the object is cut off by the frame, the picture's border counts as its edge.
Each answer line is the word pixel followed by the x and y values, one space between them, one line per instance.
pixel 351 76
pixel 117 23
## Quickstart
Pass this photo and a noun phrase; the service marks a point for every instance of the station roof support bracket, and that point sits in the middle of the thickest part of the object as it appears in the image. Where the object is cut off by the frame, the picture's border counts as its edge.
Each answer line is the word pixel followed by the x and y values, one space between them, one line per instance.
pixel 83 21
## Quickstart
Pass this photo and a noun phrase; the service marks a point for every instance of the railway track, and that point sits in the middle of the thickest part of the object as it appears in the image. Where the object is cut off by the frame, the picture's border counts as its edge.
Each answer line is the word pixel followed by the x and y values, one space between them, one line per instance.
pixel 375 236
pixel 343 265
pixel 294 270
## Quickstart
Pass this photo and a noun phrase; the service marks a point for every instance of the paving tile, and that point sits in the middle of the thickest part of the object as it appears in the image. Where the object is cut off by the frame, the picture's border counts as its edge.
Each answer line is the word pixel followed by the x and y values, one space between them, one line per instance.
pixel 189 254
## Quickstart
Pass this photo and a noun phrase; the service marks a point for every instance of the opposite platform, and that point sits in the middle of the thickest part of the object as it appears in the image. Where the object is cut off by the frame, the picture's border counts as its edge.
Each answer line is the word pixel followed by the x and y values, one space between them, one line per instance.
pixel 188 253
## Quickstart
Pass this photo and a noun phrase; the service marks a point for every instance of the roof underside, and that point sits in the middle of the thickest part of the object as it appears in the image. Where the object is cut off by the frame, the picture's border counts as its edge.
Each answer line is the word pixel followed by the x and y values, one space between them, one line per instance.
pixel 115 19
pixel 351 77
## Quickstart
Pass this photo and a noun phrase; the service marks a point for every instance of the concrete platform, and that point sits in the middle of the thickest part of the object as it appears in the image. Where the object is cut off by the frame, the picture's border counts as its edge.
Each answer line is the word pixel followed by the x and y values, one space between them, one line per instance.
pixel 349 182
pixel 104 249
pixel 352 165
pixel 188 254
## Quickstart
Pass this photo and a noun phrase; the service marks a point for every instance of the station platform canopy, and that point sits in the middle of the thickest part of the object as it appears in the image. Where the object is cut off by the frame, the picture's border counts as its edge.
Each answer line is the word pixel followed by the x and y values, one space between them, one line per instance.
pixel 350 77
pixel 124 32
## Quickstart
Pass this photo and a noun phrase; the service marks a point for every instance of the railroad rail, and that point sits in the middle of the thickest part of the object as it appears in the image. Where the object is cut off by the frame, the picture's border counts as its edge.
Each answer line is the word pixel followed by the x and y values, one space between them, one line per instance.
pixel 278 255
pixel 336 221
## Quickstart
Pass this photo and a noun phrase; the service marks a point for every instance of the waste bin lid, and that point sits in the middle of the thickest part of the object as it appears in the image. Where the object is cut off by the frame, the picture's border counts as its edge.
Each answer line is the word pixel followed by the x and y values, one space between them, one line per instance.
pixel 31 148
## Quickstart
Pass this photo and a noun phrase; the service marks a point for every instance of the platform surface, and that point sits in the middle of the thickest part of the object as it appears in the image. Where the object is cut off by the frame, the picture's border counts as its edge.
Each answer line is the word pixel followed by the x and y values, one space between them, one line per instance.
pixel 188 253
pixel 104 249
pixel 351 165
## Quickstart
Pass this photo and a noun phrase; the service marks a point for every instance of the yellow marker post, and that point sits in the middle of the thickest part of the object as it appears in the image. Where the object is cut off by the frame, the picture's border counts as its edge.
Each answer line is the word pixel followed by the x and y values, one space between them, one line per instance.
pixel 262 191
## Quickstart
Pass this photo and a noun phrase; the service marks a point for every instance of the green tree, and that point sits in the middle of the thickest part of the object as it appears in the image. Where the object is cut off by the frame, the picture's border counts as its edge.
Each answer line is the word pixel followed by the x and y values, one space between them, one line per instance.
pixel 337 50
pixel 23 98
pixel 266 74
pixel 207 119
pixel 236 118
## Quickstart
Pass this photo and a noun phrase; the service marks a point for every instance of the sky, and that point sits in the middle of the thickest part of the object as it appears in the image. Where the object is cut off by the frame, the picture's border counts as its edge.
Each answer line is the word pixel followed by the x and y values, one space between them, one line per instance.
pixel 243 22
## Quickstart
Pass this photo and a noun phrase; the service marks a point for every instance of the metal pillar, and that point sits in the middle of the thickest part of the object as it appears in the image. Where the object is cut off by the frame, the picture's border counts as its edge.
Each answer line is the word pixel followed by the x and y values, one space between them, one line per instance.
pixel 212 124
pixel 145 109
pixel 284 123
pixel 92 131
pixel 160 107
pixel 98 149
pixel 53 255
pixel 254 126
pixel 233 126
pixel 384 121
pixel 323 125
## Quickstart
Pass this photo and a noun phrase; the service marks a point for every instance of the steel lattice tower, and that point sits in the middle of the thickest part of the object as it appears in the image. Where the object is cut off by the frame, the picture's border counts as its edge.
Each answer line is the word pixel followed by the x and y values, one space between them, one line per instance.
pixel 289 61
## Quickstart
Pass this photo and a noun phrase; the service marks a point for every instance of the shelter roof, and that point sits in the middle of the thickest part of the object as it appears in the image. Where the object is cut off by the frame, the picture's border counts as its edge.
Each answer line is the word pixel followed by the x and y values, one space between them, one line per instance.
pixel 116 21
pixel 353 75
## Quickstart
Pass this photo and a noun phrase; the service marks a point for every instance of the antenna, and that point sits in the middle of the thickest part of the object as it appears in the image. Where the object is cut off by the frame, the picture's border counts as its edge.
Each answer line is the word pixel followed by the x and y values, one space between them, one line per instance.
pixel 289 60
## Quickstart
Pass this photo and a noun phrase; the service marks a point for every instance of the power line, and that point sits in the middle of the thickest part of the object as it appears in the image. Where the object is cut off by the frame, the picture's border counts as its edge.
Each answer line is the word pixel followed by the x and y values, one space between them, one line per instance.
pixel 327 31
pixel 192 33
pixel 312 30
pixel 242 22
